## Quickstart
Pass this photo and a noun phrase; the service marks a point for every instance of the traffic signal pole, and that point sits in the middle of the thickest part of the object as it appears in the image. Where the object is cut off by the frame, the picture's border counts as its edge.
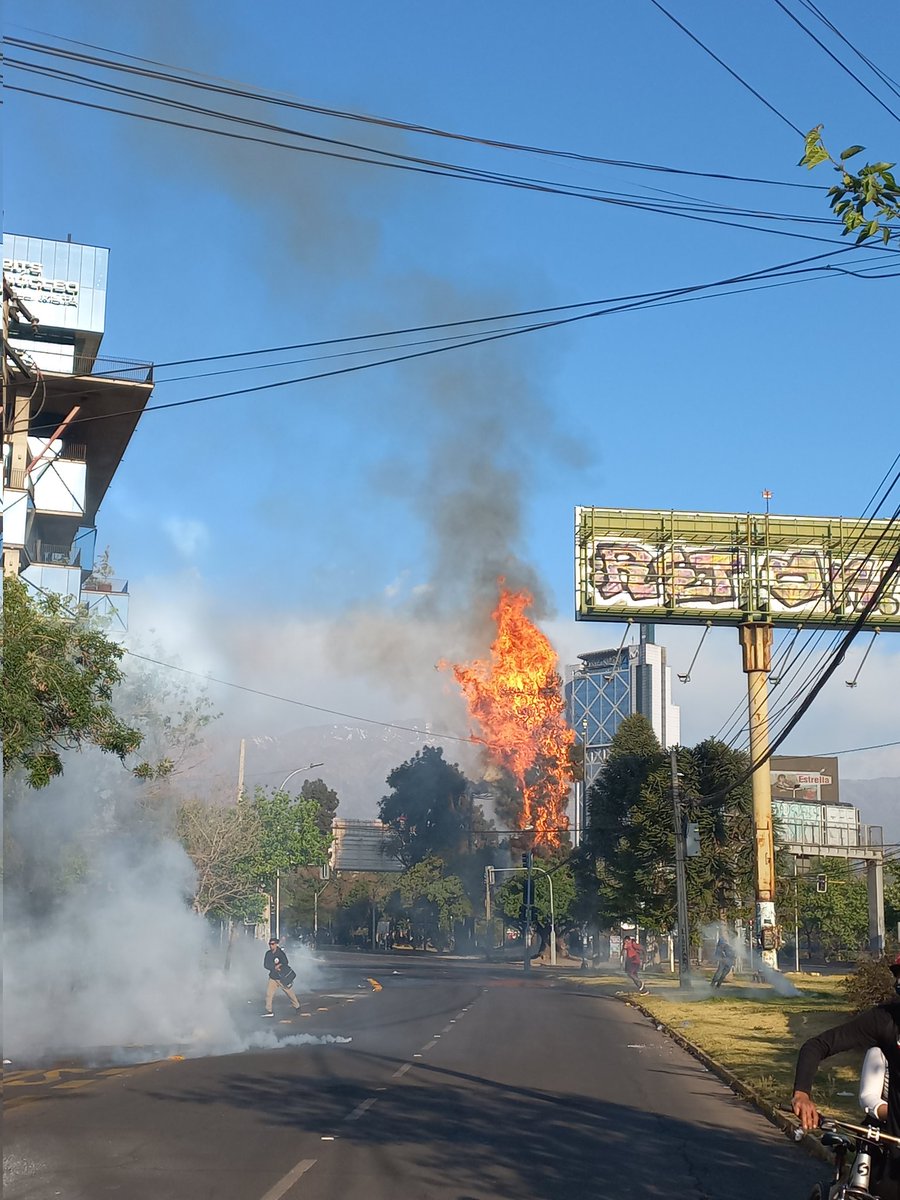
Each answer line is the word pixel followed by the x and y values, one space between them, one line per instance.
pixel 756 644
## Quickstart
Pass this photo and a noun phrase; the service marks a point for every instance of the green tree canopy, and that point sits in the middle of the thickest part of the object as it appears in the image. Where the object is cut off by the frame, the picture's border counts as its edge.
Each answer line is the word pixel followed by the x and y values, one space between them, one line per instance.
pixel 58 679
pixel 434 901
pixel 630 852
pixel 289 835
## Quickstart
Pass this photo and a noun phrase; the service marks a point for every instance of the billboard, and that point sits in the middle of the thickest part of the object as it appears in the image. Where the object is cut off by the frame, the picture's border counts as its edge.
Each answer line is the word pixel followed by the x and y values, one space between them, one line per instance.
pixel 730 568
pixel 62 284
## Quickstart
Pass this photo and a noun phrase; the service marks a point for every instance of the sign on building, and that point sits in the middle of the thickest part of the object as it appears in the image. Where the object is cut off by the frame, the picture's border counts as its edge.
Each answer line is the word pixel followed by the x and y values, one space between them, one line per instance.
pixel 731 568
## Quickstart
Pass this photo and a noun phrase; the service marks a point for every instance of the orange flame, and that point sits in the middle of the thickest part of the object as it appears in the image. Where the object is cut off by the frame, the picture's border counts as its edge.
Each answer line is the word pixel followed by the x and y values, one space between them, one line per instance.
pixel 515 698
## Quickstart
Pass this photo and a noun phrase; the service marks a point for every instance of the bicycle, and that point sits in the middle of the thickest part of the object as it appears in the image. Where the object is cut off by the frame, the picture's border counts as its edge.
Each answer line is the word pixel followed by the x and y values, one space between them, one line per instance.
pixel 851 1180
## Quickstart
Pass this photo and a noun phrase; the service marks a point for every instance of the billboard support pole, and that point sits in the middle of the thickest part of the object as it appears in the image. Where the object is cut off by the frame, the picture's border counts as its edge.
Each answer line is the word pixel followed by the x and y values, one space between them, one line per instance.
pixel 756 644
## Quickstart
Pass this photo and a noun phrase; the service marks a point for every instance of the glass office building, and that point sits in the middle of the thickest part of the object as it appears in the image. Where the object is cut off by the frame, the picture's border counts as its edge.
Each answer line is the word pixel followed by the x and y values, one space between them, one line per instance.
pixel 610 685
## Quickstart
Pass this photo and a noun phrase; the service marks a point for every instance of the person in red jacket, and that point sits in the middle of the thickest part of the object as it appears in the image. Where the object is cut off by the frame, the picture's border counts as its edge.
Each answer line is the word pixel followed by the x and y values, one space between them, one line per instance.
pixel 633 958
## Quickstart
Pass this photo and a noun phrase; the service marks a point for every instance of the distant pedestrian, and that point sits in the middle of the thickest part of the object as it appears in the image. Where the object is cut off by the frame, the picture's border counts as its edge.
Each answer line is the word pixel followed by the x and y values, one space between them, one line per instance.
pixel 281 975
pixel 724 962
pixel 633 960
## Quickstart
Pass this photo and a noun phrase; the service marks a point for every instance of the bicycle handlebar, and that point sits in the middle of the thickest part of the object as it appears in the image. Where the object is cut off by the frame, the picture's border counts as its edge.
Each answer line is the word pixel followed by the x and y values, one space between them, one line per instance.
pixel 870 1133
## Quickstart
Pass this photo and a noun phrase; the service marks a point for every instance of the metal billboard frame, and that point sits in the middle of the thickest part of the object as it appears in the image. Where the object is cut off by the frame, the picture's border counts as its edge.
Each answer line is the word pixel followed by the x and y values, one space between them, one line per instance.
pixel 733 568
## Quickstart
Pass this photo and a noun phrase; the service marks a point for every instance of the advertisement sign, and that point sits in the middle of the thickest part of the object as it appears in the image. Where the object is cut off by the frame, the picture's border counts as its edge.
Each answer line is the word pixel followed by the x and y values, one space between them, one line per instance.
pixel 730 568
pixel 62 284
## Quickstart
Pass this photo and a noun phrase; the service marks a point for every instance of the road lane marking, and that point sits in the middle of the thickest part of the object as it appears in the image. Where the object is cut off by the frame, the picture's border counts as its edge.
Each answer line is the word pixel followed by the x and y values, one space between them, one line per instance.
pixel 287 1181
pixel 401 1071
pixel 360 1109
pixel 428 1047
pixel 446 1029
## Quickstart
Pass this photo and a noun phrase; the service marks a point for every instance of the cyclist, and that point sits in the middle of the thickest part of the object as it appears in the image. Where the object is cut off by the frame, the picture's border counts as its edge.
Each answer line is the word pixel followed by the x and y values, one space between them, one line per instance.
pixel 874 1079
pixel 879 1028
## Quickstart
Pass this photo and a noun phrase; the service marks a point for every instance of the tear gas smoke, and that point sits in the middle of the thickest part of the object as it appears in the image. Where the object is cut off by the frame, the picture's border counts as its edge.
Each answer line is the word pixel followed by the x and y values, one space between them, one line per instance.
pixel 104 959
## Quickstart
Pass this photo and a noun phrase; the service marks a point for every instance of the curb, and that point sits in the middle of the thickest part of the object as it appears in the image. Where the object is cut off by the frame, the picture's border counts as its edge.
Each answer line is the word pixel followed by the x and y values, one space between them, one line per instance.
pixel 811 1144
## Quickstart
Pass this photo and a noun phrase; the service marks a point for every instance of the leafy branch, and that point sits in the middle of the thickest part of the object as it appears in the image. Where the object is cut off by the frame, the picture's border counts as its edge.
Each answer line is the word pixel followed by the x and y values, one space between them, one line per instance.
pixel 865 202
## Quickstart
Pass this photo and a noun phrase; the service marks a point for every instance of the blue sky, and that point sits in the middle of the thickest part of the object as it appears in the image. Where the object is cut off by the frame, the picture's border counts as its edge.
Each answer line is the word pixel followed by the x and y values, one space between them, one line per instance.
pixel 314 539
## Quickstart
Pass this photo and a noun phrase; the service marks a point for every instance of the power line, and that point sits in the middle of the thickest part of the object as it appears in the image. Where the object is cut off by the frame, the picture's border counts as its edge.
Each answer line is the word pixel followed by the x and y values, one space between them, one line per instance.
pixel 662 299
pixel 411 163
pixel 240 687
pixel 835 58
pixel 853 750
pixel 875 502
pixel 743 82
pixel 876 70
pixel 217 84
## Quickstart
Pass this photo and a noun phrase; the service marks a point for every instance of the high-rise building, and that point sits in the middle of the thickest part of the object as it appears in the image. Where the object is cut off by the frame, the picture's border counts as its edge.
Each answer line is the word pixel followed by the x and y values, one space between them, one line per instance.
pixel 611 685
pixel 68 415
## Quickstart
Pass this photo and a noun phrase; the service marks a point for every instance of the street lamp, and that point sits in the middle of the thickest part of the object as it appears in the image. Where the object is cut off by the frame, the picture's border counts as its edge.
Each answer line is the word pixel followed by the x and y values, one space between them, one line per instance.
pixel 277 931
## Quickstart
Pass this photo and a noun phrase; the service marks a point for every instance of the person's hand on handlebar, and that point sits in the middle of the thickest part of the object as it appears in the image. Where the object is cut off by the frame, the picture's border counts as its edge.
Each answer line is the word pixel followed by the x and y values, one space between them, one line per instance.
pixel 804 1108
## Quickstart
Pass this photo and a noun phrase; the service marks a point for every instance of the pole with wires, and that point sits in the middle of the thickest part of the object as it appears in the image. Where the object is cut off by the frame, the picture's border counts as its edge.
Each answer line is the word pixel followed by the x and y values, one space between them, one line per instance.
pixel 756 644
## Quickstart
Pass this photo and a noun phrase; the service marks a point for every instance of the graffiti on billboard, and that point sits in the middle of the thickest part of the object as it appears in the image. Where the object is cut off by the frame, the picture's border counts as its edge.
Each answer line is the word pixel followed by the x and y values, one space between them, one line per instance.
pixel 630 574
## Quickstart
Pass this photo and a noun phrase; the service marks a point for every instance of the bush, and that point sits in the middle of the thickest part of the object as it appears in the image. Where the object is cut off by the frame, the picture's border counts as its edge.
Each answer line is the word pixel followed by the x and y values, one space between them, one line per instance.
pixel 871 983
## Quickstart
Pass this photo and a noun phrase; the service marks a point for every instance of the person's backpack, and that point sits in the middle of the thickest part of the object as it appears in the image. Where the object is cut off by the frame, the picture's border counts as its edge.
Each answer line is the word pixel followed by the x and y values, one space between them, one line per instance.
pixel 287 977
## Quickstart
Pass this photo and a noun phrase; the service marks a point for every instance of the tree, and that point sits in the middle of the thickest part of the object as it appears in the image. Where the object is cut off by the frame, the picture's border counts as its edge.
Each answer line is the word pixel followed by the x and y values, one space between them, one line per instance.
pixel 631 838
pixel 289 836
pixel 58 679
pixel 325 798
pixel 865 202
pixel 836 920
pixel 511 899
pixel 430 809
pixel 222 840
pixel 434 902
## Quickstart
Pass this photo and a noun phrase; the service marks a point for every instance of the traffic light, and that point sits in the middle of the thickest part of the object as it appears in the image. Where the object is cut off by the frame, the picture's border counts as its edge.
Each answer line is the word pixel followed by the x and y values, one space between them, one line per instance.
pixel 692 839
pixel 525 862
pixel 821 883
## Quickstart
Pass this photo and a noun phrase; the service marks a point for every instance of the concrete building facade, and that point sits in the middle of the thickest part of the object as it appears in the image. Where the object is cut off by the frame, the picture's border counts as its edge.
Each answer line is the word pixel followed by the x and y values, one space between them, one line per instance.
pixel 68 417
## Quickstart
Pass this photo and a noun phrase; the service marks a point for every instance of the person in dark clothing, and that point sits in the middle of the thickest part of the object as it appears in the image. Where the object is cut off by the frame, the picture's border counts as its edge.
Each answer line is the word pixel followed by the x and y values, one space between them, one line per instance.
pixel 724 963
pixel 878 1026
pixel 280 976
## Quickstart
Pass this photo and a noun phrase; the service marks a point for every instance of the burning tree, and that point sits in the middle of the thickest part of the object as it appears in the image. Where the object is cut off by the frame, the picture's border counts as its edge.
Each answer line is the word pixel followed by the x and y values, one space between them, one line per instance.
pixel 515 697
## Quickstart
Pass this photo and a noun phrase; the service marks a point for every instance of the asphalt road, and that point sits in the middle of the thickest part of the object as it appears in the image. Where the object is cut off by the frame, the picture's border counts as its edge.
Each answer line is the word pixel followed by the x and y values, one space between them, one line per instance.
pixel 461 1082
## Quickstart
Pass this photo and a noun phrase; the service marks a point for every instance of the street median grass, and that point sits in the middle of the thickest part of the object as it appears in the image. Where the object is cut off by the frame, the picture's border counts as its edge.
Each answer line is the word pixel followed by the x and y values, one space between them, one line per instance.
pixel 753 1032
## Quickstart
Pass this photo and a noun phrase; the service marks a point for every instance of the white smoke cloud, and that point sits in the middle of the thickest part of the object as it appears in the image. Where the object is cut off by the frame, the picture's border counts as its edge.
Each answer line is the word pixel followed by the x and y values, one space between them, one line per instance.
pixel 188 535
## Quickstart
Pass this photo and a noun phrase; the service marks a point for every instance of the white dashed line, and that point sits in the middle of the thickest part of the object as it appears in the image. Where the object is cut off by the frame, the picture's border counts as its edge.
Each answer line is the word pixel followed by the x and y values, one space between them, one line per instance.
pixel 401 1071
pixel 360 1109
pixel 428 1047
pixel 287 1181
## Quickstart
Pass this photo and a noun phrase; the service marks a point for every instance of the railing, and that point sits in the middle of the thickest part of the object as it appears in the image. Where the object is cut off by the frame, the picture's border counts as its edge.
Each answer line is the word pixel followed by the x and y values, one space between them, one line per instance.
pixel 821 838
pixel 126 369
pixel 17 479
pixel 55 555
pixel 105 586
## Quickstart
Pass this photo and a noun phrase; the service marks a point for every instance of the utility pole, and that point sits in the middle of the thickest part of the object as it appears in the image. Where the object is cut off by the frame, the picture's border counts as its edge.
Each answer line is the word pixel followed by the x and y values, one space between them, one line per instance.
pixel 241 768
pixel 756 644
pixel 684 928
